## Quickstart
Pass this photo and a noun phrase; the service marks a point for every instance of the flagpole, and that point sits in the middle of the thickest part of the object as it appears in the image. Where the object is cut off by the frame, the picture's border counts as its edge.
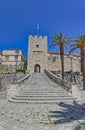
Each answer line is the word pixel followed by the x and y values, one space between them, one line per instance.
pixel 38 29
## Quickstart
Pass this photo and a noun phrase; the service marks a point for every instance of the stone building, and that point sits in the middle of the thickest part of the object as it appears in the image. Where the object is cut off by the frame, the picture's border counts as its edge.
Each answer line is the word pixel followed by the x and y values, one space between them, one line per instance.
pixel 0 57
pixel 40 59
pixel 13 57
pixel 54 62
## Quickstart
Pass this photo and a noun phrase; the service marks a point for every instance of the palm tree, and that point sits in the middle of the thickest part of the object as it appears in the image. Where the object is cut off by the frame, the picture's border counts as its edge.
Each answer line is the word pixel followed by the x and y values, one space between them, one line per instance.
pixel 79 43
pixel 61 41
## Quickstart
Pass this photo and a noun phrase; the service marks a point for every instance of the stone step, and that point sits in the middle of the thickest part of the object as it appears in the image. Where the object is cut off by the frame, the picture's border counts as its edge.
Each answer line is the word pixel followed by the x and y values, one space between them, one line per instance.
pixel 40 101
pixel 40 92
pixel 42 95
pixel 42 98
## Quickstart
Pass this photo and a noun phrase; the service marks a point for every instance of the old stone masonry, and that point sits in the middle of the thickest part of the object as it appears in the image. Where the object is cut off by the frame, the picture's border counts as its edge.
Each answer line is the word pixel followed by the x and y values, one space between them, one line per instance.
pixel 40 59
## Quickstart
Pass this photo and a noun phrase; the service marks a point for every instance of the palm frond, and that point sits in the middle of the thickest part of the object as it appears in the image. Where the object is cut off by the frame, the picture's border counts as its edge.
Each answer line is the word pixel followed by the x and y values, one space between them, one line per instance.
pixel 66 36
pixel 59 39
pixel 66 47
pixel 74 45
pixel 53 45
pixel 73 49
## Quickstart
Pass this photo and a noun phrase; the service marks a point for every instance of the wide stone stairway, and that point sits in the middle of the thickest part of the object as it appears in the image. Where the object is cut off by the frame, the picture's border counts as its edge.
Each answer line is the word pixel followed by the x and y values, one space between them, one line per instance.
pixel 41 90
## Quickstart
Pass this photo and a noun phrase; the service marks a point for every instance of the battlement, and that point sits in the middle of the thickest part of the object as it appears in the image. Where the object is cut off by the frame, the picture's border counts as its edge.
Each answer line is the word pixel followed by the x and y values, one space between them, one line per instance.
pixel 37 37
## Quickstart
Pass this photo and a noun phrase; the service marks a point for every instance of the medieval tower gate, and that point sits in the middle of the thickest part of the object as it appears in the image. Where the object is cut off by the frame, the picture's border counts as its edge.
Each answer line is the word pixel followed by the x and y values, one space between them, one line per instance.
pixel 37 53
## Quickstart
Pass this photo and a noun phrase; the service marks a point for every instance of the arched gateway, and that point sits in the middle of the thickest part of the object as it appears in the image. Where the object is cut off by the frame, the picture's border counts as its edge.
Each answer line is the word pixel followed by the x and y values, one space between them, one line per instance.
pixel 37 68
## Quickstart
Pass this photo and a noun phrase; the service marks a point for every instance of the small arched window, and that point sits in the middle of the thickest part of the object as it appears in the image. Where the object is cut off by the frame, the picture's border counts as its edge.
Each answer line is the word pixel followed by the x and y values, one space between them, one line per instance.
pixel 37 46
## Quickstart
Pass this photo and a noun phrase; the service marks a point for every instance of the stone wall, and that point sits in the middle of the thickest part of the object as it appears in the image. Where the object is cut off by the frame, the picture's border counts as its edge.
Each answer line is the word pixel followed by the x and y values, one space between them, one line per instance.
pixel 14 87
pixel 54 62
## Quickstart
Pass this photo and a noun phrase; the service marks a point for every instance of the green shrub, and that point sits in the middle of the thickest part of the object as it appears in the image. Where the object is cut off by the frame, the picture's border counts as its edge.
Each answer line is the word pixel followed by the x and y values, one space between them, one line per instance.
pixel 21 70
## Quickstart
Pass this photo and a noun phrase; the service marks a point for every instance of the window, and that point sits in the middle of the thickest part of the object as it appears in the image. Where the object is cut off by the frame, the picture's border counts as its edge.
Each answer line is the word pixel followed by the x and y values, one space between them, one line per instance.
pixel 37 46
pixel 54 59
pixel 22 59
pixel 7 58
pixel 16 58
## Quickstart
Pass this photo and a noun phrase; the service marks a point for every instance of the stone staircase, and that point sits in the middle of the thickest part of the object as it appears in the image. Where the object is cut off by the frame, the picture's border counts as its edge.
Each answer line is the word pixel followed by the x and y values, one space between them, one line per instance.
pixel 41 90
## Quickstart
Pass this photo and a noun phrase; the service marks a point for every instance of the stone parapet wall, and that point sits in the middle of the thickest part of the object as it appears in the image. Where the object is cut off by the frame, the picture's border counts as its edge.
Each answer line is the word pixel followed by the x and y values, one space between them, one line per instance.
pixel 63 83
pixel 24 80
pixel 14 87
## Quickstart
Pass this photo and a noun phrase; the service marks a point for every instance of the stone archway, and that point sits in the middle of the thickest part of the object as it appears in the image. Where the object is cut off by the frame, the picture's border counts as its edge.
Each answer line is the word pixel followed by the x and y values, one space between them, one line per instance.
pixel 37 68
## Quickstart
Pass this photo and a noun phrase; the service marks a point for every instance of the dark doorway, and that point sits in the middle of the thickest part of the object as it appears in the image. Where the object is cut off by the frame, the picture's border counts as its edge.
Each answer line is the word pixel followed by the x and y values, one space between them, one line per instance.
pixel 37 68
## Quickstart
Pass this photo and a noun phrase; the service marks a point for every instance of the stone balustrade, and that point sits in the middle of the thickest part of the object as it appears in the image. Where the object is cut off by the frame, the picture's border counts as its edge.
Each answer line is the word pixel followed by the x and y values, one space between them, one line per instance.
pixel 15 86
pixel 22 81
pixel 63 83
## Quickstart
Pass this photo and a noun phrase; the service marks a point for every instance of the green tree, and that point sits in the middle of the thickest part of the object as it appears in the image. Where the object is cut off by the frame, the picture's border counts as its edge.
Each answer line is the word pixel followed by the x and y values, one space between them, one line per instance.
pixel 61 41
pixel 79 43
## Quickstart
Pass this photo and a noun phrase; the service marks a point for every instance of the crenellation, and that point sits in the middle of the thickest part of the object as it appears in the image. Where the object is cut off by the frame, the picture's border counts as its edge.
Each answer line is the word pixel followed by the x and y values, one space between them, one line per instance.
pixel 36 36
pixel 45 37
pixel 40 37
pixel 30 37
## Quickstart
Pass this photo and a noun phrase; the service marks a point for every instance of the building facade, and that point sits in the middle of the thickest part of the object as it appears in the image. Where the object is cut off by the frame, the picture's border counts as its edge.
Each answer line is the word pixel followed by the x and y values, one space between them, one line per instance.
pixel 40 59
pixel 13 57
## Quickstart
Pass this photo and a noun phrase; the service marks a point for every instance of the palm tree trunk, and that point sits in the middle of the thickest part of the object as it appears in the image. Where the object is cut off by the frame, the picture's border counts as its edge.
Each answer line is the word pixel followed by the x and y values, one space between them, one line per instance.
pixel 62 65
pixel 62 59
pixel 83 80
pixel 83 62
pixel 82 59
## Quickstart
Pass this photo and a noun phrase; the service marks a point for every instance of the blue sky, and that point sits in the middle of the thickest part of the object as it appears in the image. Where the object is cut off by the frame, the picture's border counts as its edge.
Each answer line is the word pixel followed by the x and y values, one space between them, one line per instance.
pixel 18 19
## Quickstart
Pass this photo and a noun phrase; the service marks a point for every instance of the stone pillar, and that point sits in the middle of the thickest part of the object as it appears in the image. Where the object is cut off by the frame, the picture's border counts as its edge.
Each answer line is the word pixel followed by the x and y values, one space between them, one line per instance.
pixel 12 90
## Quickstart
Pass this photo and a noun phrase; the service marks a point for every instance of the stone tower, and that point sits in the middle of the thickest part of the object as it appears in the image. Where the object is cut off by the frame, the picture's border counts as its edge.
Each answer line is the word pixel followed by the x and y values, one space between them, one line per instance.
pixel 37 53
